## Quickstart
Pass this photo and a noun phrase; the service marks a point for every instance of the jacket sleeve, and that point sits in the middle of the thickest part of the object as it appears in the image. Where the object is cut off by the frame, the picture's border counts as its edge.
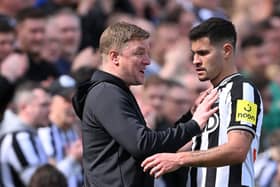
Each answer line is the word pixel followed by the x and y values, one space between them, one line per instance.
pixel 119 116
pixel 6 93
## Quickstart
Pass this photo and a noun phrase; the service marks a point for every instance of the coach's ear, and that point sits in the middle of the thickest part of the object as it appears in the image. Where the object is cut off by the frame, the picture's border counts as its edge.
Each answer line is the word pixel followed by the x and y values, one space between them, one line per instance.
pixel 114 57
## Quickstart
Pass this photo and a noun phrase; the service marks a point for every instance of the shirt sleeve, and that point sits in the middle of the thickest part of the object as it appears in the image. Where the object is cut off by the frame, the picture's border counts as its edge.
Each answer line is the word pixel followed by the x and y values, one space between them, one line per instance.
pixel 245 105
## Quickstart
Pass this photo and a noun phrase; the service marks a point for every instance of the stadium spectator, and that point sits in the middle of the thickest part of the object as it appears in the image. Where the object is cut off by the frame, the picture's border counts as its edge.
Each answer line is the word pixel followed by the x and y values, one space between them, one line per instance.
pixel 31 23
pixel 21 150
pixel 60 139
pixel 47 176
pixel 7 39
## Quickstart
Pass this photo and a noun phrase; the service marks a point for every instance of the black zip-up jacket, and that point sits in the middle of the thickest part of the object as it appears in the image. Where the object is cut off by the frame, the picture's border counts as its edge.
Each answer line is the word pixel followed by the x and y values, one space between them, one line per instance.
pixel 116 139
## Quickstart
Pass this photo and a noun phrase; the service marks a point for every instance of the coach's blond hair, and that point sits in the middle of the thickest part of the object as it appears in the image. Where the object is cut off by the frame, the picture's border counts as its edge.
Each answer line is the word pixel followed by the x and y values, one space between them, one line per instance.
pixel 117 35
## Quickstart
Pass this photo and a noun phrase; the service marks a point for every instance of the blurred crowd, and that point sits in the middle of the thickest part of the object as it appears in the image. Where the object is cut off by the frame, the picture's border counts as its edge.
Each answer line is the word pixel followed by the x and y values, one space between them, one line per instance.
pixel 49 47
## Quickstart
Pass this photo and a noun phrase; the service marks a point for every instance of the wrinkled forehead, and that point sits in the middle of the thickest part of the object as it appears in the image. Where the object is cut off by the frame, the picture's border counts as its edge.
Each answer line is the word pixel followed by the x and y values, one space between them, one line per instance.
pixel 137 44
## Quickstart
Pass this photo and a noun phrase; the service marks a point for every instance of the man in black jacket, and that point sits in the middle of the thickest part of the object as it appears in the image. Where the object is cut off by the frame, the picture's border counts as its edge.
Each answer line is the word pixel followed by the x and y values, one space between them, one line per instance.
pixel 12 68
pixel 114 133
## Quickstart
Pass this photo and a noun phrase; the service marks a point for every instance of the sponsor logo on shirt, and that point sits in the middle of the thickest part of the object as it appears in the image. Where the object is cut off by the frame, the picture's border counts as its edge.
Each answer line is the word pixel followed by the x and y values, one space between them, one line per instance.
pixel 246 111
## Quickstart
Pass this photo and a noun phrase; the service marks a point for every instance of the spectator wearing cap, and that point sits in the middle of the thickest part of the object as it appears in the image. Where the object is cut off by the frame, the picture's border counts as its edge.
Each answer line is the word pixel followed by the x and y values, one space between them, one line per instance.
pixel 61 140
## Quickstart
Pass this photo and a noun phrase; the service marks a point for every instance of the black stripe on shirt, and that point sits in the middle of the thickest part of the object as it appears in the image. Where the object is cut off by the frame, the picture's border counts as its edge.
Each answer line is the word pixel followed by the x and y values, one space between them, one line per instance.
pixel 34 145
pixel 18 151
pixel 236 93
pixel 235 172
pixel 16 178
pixel 53 142
pixel 1 177
pixel 193 174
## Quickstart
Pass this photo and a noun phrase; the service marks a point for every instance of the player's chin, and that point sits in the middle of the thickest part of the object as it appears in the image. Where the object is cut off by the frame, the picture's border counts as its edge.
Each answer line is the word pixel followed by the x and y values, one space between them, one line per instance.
pixel 202 78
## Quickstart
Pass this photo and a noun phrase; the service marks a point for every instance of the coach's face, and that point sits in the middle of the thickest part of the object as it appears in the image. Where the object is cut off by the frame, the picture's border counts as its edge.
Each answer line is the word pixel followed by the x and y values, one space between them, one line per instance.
pixel 133 59
pixel 208 60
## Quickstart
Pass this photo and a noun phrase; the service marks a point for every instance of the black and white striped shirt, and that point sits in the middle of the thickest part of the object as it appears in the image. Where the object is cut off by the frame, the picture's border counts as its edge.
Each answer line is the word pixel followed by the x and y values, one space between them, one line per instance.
pixel 240 108
pixel 265 169
pixel 21 153
pixel 55 141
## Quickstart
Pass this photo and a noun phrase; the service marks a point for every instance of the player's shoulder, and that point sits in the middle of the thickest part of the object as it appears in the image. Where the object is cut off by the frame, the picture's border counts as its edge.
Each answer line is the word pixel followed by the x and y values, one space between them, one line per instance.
pixel 243 82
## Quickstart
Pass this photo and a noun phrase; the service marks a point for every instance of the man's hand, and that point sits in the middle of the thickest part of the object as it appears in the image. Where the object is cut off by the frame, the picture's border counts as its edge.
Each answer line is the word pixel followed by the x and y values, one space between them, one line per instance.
pixel 161 163
pixel 88 57
pixel 14 66
pixel 75 150
pixel 204 110
pixel 199 99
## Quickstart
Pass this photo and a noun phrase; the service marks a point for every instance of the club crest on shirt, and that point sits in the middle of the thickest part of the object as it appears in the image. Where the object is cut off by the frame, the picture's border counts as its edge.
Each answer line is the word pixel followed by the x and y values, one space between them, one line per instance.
pixel 246 111
pixel 213 123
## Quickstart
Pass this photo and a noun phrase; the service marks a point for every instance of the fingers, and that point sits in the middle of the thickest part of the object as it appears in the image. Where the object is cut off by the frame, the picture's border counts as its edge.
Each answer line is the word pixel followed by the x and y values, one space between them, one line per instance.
pixel 151 164
pixel 202 96
pixel 157 171
pixel 148 163
pixel 204 110
pixel 212 94
pixel 213 110
pixel 209 100
pixel 199 100
pixel 211 97
pixel 206 92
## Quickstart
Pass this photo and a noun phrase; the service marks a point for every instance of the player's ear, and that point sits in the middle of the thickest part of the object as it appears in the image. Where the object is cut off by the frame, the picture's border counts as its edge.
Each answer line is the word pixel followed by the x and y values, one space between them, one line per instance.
pixel 228 50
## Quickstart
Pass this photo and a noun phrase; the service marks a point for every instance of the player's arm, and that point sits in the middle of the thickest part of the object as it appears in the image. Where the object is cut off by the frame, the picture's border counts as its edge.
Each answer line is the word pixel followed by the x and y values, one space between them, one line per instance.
pixel 233 152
